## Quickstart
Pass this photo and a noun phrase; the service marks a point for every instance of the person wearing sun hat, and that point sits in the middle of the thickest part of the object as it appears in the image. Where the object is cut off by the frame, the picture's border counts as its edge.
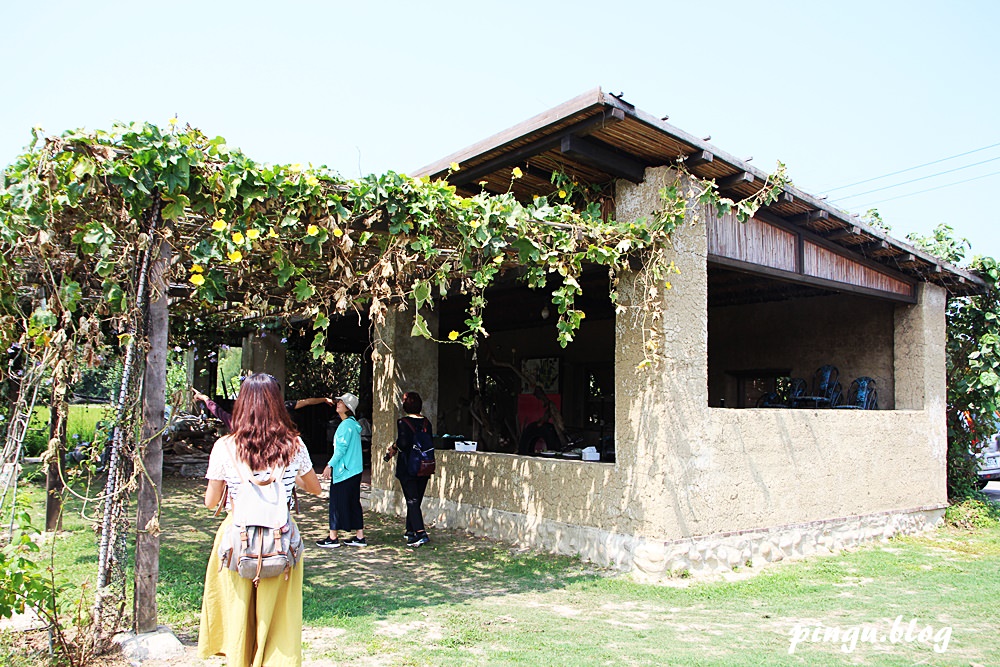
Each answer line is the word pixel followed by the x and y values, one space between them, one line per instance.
pixel 344 472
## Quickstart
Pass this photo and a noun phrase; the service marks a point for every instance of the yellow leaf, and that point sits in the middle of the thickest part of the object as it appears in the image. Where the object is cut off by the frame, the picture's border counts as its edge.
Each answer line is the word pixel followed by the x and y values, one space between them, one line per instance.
pixel 197 279
pixel 516 172
pixel 312 230
pixel 237 237
pixel 219 225
pixel 253 234
pixel 454 166
pixel 235 256
pixel 453 335
pixel 197 268
pixel 271 234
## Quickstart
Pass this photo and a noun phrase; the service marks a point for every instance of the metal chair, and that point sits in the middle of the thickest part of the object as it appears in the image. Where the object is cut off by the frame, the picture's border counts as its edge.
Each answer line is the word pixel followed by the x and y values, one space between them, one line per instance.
pixel 825 389
pixel 862 395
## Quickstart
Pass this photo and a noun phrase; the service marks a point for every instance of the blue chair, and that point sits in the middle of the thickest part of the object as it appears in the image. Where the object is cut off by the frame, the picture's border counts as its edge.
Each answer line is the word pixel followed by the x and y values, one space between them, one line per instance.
pixel 862 395
pixel 825 389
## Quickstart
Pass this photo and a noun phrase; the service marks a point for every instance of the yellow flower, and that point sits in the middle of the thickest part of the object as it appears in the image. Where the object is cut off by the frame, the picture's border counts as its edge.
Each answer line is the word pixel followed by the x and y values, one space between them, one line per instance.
pixel 516 172
pixel 237 237
pixel 482 184
pixel 453 335
pixel 312 230
pixel 252 234
pixel 295 168
pixel 197 268
pixel 173 121
pixel 271 234
pixel 312 181
pixel 337 232
pixel 498 259
pixel 235 256
pixel 219 225
pixel 562 193
pixel 197 279
pixel 454 166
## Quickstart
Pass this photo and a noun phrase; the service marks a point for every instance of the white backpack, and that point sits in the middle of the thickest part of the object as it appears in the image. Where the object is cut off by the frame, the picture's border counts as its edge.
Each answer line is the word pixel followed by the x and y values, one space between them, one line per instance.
pixel 262 541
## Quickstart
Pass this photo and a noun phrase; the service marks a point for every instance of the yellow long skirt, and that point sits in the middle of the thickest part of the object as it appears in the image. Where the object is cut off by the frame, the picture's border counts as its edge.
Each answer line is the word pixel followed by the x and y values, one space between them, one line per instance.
pixel 252 627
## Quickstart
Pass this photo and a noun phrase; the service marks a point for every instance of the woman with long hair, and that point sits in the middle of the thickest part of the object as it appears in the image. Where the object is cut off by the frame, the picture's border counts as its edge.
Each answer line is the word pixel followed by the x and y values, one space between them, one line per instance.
pixel 254 625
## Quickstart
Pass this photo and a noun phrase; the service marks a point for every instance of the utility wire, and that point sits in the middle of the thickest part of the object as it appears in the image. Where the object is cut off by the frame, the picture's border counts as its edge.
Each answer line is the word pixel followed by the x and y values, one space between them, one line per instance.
pixel 920 192
pixel 914 180
pixel 903 171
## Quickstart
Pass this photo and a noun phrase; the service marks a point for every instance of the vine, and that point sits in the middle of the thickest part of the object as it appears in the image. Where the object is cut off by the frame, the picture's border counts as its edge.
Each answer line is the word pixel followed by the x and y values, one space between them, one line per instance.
pixel 79 212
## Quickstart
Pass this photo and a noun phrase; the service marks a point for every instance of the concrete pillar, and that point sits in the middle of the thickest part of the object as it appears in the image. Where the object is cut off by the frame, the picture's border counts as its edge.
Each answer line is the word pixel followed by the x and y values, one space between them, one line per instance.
pixel 919 358
pixel 265 354
pixel 401 363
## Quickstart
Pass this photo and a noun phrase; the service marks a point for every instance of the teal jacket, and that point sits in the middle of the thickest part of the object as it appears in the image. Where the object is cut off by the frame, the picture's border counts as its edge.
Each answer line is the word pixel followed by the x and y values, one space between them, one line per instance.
pixel 346 460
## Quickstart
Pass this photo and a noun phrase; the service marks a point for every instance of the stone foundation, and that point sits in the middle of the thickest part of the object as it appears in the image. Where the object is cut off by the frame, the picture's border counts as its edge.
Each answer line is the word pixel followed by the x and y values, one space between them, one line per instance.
pixel 653 560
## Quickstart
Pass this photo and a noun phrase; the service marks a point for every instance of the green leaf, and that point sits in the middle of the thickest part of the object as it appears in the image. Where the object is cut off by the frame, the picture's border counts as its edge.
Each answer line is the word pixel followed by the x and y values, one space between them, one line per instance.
pixel 303 290
pixel 420 327
pixel 70 294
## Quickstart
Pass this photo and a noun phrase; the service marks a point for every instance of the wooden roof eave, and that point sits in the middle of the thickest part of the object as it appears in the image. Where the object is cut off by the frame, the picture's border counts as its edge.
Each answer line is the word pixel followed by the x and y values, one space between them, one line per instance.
pixel 516 144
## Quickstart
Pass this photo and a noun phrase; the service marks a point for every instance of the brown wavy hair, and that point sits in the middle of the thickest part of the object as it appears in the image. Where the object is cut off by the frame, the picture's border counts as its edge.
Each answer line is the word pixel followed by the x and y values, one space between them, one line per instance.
pixel 264 433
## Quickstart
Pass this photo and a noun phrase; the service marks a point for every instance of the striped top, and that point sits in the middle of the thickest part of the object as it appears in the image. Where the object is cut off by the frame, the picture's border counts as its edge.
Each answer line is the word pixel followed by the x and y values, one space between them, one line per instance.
pixel 220 467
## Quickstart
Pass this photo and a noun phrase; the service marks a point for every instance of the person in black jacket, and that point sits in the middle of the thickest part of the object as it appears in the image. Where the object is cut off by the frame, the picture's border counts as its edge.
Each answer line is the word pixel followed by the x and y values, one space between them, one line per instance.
pixel 413 487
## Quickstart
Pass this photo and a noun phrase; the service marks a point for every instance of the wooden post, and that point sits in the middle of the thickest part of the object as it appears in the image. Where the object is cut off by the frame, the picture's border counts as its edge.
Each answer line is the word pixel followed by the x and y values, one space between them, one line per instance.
pixel 147 536
pixel 57 450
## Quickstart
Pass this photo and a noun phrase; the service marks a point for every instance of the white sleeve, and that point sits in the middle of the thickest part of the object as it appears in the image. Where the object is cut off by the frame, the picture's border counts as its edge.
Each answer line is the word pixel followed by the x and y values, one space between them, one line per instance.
pixel 217 461
pixel 302 463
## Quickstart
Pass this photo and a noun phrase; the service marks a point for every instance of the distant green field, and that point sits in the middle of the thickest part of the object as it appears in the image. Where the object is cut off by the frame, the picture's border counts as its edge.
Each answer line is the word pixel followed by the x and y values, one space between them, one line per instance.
pixel 79 427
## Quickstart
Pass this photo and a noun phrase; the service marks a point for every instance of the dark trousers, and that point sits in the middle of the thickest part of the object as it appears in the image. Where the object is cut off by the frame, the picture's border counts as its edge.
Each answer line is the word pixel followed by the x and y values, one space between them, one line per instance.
pixel 413 491
pixel 345 505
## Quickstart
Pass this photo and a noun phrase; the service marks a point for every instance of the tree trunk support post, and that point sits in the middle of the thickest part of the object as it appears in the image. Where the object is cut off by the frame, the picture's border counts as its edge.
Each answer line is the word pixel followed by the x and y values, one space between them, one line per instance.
pixel 56 450
pixel 147 542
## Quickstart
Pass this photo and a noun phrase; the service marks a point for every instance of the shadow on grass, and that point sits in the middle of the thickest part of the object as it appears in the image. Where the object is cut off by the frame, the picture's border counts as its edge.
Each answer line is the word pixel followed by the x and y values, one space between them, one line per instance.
pixel 348 582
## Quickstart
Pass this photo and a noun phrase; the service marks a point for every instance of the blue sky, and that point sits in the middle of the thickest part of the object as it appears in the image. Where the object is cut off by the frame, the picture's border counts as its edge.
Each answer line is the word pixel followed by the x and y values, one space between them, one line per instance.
pixel 841 92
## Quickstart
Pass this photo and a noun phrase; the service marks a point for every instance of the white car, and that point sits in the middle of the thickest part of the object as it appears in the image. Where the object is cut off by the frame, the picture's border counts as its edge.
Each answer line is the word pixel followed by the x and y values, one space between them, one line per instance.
pixel 989 461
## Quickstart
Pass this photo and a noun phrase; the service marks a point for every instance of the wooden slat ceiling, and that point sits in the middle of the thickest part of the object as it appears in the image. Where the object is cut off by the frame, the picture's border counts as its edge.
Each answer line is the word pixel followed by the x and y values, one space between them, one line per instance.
pixel 597 137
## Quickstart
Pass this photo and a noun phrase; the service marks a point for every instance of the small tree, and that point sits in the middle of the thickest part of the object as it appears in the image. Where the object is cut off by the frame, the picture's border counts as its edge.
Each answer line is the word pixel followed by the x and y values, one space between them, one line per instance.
pixel 973 362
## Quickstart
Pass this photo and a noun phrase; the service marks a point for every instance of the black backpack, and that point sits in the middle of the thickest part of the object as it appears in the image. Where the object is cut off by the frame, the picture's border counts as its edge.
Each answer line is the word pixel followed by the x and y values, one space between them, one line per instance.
pixel 420 459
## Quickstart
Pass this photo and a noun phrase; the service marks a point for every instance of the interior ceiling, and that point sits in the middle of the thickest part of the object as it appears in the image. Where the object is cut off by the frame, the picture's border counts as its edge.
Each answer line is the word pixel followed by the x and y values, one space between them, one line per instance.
pixel 728 287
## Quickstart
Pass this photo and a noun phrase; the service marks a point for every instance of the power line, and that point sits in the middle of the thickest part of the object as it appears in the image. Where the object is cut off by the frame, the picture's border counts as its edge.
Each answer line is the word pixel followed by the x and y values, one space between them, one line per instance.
pixel 903 171
pixel 914 180
pixel 920 192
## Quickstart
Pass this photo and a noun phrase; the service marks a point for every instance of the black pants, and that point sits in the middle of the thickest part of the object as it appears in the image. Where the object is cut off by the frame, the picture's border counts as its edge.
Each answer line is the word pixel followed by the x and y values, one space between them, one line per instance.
pixel 345 505
pixel 413 491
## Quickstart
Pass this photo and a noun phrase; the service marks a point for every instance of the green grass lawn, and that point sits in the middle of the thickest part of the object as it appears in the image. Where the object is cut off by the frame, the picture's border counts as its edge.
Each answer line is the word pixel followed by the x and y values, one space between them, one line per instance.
pixel 463 600
pixel 80 423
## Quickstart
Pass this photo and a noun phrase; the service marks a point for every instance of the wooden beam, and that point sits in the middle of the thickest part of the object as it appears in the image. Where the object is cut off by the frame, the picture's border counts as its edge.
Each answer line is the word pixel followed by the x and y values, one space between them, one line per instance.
pixel 698 158
pixel 147 541
pixel 792 277
pixel 730 182
pixel 906 258
pixel 811 216
pixel 603 157
pixel 839 234
pixel 521 154
pixel 879 244
pixel 785 198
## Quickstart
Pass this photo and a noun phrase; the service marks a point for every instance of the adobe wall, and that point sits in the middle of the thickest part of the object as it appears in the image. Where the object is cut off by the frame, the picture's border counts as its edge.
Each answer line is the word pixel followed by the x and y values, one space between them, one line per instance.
pixel 695 487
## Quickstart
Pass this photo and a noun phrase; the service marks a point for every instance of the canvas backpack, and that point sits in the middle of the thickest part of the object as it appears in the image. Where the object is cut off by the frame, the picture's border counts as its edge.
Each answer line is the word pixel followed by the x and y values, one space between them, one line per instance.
pixel 420 459
pixel 262 541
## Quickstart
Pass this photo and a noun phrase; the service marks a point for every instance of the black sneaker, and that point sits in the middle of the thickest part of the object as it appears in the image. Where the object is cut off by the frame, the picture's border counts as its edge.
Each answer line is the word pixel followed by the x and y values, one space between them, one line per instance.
pixel 417 540
pixel 327 543
pixel 356 542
